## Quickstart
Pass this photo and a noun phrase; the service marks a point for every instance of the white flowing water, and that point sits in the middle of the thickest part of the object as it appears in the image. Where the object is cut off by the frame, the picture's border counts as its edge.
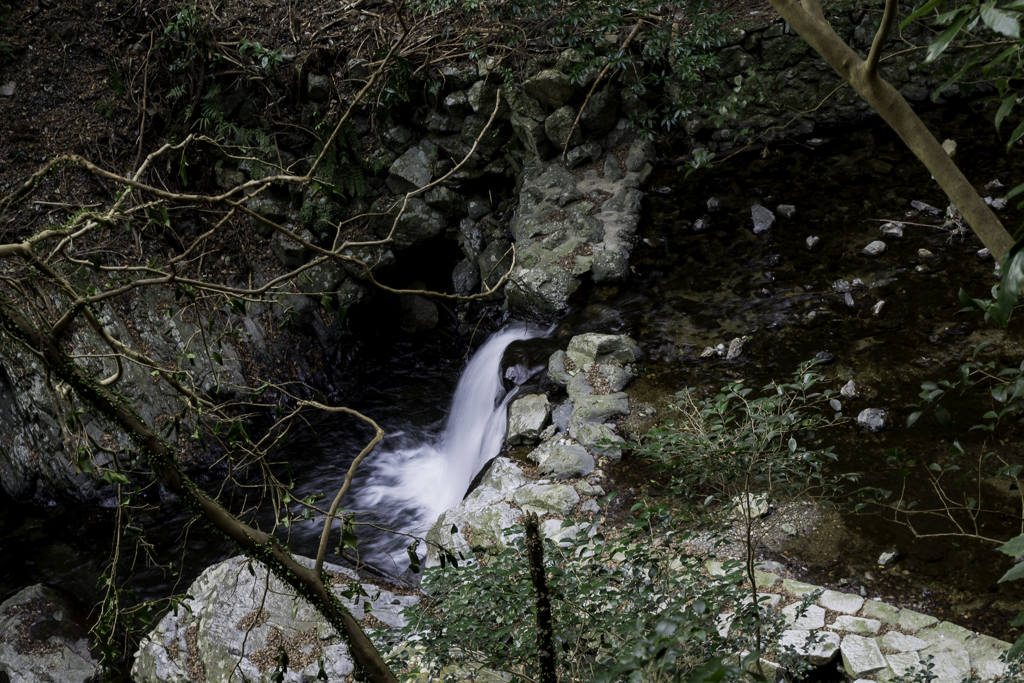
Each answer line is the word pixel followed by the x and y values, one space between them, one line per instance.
pixel 410 483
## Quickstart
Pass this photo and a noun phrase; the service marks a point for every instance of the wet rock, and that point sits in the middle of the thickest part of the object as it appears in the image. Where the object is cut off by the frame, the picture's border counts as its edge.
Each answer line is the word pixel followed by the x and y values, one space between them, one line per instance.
pixel 735 349
pixel 893 230
pixel 375 257
pixel 419 222
pixel 984 255
pixel 786 210
pixel 598 408
pixel 997 205
pixel 850 390
pixel 224 631
pixel 812 242
pixel 609 266
pixel 559 128
pixel 43 637
pixel 551 87
pixel 504 476
pixel 763 218
pixel 413 169
pixel 480 520
pixel 873 419
pixel 592 347
pixel 561 415
pixel 876 248
pixel 584 154
pixel 556 369
pixel 561 459
pixel 544 287
pixel 825 357
pixel 926 208
pixel 482 97
pixel 527 416
pixel 465 277
pixel 322 278
pixel 544 498
pixel 532 136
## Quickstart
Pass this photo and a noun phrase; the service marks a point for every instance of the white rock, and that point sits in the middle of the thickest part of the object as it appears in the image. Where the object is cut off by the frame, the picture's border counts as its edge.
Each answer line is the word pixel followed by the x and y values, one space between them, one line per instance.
pixel 849 390
pixel 756 505
pixel 903 663
pixel 813 617
pixel 735 348
pixel 822 651
pixel 812 242
pixel 527 417
pixel 894 640
pixel 856 624
pixel 505 477
pixel 875 248
pixel 877 308
pixel 861 656
pixel 841 602
pixel 952 667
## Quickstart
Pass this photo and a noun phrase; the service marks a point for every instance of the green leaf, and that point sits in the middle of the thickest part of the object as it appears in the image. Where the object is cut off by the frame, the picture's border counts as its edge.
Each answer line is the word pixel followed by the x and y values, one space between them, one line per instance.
pixel 1004 109
pixel 1018 647
pixel 1014 547
pixel 1009 288
pixel 921 11
pixel 942 415
pixel 1000 21
pixel 1017 572
pixel 942 41
pixel 913 417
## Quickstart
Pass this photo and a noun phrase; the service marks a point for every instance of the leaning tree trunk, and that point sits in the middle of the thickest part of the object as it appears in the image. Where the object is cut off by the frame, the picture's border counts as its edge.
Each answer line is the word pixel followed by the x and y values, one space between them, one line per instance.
pixel 807 19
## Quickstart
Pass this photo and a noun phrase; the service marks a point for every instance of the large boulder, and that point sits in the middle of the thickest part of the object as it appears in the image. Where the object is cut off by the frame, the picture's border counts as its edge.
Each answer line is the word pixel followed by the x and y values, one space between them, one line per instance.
pixel 413 170
pixel 238 618
pixel 545 287
pixel 562 459
pixel 560 127
pixel 551 87
pixel 419 222
pixel 541 499
pixel 592 347
pixel 43 637
pixel 480 522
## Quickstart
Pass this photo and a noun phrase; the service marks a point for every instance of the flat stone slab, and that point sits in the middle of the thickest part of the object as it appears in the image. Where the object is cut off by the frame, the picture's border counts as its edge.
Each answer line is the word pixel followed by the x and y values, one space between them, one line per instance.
pixel 813 617
pixel 856 625
pixel 861 656
pixel 912 621
pixel 903 663
pixel 985 652
pixel 945 636
pixel 822 651
pixel 952 667
pixel 873 609
pixel 764 579
pixel 797 588
pixel 901 642
pixel 845 603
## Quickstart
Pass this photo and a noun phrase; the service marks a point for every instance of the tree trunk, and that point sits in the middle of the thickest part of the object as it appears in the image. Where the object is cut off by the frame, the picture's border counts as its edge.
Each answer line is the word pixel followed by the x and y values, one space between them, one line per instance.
pixel 545 623
pixel 808 21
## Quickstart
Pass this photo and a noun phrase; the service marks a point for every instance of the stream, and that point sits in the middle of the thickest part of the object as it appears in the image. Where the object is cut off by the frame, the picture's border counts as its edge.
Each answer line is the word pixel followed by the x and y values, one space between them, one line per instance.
pixel 690 290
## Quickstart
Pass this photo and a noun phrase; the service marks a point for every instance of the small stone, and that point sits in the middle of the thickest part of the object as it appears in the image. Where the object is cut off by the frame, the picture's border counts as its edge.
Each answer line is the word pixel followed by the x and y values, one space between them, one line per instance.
pixel 735 349
pixel 7 89
pixel 714 205
pixel 788 529
pixel 590 506
pixel 786 210
pixel 702 224
pixel 813 617
pixel 318 87
pixel 876 248
pixel 856 624
pixel 798 588
pixel 708 352
pixel 825 357
pixel 821 651
pixel 926 208
pixel 873 419
pixel 893 230
pixel 863 592
pixel 925 254
pixel 812 242
pixel 861 656
pixel 756 505
pixel 763 218
pixel 848 299
pixel 949 146
pixel 849 390
pixel 887 557
pixel 841 286
pixel 996 204
pixel 877 308
pixel 984 254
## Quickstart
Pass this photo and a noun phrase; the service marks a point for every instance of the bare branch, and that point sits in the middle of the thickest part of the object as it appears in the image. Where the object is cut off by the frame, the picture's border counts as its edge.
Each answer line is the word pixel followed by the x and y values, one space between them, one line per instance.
pixel 871 65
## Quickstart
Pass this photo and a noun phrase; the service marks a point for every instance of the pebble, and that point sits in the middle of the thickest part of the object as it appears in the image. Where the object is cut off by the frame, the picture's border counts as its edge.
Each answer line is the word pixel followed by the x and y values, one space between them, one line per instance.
pixel 877 308
pixel 841 286
pixel 812 241
pixel 887 557
pixel 849 300
pixel 996 204
pixel 924 253
pixel 893 230
pixel 926 208
pixel 7 89
pixel 874 249
pixel 786 210
pixel 714 205
pixel 825 357
pixel 984 254
pixel 849 390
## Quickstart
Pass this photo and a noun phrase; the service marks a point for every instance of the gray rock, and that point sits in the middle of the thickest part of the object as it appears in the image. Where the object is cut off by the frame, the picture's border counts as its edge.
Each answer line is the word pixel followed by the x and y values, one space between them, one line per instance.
pixel 482 97
pixel 901 642
pixel 593 435
pixel 8 88
pixel 322 278
pixel 812 242
pixel 909 620
pixel 786 210
pixel 861 656
pixel 714 205
pixel 527 416
pixel 998 205
pixel 559 128
pixel 609 266
pixel 845 622
pixel 612 171
pixel 524 105
pixel 270 207
pixel 545 287
pixel 532 136
pixel 640 153
pixel 560 416
pixel 351 293
pixel 488 141
pixel 447 200
pixel 850 390
pixel 892 230
pixel 357 69
pixel 822 650
pixel 841 286
pixel 505 477
pixel 465 277
pixel 578 386
pixel 926 208
pixel 478 207
pixel 735 349
pixel 551 87
pixel 561 459
pixel 592 347
pixel 952 667
pixel 601 113
pixel 618 377
pixel 459 77
pixel 876 248
pixel 228 178
pixel 412 170
pixel 288 251
pixel 224 630
pixel 600 407
pixel 318 87
pixel 544 498
pixel 586 153
pixel 984 254
pixel 471 238
pixel 873 419
pixel 375 257
pixel 481 521
pixel 556 369
pixel 494 263
pixel 419 222
pixel 763 218
pixel 437 122
pixel 812 618
pixel 44 638
pixel 457 104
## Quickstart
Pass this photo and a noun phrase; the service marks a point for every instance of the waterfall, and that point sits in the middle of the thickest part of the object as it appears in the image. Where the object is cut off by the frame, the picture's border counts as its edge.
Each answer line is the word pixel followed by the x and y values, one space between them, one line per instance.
pixel 413 479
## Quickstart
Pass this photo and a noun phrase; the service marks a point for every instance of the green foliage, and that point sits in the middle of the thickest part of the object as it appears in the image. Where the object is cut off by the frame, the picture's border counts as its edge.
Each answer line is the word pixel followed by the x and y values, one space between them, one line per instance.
pixel 341 174
pixel 1006 294
pixel 636 607
pixel 264 58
